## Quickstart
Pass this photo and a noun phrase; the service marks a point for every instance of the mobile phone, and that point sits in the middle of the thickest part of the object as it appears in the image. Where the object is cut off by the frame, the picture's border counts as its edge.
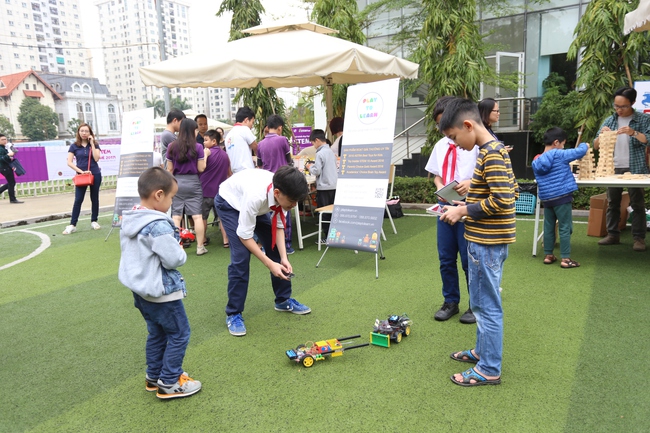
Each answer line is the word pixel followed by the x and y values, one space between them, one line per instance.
pixel 290 276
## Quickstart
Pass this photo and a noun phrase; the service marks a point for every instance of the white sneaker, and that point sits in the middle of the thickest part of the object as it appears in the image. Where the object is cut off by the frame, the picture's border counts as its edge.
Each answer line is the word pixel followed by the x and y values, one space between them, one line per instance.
pixel 95 226
pixel 201 250
pixel 69 229
pixel 185 387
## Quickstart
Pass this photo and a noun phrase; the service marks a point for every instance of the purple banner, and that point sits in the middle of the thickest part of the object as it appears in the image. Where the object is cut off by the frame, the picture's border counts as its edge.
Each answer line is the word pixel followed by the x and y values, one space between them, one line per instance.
pixel 35 164
pixel 300 138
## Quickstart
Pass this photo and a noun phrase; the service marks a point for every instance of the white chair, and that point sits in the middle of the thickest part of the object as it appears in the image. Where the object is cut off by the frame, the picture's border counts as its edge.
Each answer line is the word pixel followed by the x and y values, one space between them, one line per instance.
pixel 391 181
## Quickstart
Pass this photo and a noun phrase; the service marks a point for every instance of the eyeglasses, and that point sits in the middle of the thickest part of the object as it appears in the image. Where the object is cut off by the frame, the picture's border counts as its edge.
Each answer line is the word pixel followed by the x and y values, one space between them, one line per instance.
pixel 621 107
pixel 496 111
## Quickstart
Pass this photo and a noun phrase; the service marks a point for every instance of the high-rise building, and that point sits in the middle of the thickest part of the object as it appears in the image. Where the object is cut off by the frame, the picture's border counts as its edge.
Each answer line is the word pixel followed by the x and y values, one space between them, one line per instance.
pixel 130 39
pixel 43 36
pixel 129 31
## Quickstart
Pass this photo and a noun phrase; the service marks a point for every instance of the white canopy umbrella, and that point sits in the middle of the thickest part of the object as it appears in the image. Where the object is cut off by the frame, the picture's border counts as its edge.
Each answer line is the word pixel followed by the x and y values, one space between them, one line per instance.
pixel 639 19
pixel 161 122
pixel 281 55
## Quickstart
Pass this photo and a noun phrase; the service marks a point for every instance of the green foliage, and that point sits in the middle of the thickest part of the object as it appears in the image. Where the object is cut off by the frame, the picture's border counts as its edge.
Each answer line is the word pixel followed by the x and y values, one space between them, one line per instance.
pixel 37 121
pixel 179 103
pixel 451 54
pixel 158 105
pixel 341 15
pixel 245 14
pixel 73 125
pixel 556 110
pixel 303 112
pixel 415 189
pixel 610 59
pixel 6 127
pixel 263 101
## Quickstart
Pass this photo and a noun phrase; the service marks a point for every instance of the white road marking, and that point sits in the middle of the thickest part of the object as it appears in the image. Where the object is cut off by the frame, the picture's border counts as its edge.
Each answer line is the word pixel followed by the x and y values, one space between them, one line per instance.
pixel 45 243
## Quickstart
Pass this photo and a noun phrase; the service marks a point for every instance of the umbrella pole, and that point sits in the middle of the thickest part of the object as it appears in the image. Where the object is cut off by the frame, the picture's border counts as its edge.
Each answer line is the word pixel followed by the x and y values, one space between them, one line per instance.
pixel 328 103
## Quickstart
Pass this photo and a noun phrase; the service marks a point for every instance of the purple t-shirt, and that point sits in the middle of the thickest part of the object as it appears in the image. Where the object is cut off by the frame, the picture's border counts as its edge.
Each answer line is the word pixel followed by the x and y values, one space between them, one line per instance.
pixel 186 167
pixel 216 171
pixel 273 152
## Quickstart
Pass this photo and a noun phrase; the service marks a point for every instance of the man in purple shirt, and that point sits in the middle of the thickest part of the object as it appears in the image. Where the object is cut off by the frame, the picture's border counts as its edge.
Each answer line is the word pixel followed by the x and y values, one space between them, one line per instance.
pixel 272 153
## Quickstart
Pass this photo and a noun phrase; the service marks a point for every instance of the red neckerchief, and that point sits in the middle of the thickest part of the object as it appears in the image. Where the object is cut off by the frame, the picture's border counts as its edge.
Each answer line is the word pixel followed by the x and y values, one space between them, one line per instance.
pixel 445 165
pixel 277 209
pixel 237 124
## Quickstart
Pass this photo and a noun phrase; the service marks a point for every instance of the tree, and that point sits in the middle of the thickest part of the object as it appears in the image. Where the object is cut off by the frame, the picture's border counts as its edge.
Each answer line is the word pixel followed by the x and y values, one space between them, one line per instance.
pixel 341 15
pixel 610 59
pixel 73 126
pixel 158 106
pixel 451 54
pixel 37 121
pixel 558 108
pixel 303 112
pixel 180 103
pixel 263 101
pixel 6 127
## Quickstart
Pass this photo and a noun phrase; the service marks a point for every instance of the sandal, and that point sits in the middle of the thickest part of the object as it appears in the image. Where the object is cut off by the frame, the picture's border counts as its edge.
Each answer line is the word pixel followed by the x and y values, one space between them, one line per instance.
pixel 550 259
pixel 464 356
pixel 568 264
pixel 226 245
pixel 472 374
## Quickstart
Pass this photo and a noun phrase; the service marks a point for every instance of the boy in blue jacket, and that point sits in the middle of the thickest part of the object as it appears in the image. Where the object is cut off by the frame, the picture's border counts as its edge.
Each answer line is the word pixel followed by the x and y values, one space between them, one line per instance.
pixel 150 255
pixel 556 185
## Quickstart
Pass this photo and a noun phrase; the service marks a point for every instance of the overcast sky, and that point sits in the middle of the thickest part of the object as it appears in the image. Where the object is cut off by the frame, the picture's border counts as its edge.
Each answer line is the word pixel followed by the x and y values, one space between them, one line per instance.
pixel 207 31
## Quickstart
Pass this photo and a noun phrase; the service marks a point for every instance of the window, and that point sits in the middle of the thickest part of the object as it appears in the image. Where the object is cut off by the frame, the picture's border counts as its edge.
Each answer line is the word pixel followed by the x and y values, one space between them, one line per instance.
pixel 88 108
pixel 80 112
pixel 76 88
pixel 11 23
pixel 16 56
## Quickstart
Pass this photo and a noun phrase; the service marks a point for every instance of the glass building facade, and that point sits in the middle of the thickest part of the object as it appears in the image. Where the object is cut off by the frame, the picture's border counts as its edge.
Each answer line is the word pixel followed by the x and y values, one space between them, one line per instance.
pixel 532 38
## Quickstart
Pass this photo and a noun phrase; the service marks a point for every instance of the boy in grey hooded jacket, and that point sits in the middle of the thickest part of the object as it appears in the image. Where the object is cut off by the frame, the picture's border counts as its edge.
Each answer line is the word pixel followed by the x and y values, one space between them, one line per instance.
pixel 150 255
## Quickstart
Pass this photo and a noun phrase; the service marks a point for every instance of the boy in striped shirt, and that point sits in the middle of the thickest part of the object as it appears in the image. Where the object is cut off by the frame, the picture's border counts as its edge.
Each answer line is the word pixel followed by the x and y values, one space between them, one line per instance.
pixel 489 228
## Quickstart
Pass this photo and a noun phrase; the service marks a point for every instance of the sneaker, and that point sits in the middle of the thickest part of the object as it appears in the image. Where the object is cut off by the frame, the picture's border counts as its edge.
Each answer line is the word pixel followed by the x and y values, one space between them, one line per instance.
pixel 185 387
pixel 150 384
pixel 292 306
pixel 200 250
pixel 236 326
pixel 321 242
pixel 16 202
pixel 610 240
pixel 445 312
pixel 290 250
pixel 639 244
pixel 69 229
pixel 468 317
pixel 95 226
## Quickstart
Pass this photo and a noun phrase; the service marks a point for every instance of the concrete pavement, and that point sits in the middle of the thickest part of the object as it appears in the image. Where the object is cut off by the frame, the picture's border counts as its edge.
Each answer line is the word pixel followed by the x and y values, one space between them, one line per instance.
pixel 49 207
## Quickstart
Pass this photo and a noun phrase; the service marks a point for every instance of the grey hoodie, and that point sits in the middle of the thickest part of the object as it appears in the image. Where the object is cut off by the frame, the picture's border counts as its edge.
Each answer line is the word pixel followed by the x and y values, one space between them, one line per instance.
pixel 150 255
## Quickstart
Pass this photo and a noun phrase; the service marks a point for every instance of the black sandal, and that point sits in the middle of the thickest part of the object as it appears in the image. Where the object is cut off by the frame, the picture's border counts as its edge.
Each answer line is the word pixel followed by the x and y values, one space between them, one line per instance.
pixel 568 264
pixel 550 259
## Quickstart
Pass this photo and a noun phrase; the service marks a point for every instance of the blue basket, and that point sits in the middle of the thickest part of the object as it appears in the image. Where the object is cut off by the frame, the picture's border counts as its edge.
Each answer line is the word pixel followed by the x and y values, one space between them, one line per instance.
pixel 526 203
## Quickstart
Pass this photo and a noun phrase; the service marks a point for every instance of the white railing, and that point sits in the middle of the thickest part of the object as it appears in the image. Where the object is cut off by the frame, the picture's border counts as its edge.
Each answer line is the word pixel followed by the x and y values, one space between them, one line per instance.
pixel 409 141
pixel 48 187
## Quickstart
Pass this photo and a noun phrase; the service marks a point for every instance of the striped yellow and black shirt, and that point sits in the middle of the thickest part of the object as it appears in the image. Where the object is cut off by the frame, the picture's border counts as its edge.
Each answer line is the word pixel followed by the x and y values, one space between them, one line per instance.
pixel 491 198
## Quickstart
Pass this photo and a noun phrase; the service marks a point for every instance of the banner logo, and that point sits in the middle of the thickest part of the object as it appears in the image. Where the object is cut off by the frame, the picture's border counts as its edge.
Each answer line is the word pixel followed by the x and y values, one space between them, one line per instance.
pixel 370 108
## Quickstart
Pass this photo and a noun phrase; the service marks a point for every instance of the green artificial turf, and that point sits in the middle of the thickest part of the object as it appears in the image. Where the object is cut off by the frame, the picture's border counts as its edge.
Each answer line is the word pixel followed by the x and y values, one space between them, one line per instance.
pixel 575 342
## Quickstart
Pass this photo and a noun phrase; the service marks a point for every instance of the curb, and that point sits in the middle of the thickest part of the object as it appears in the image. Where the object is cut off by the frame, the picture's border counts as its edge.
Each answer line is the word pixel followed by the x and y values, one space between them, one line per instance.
pixel 53 217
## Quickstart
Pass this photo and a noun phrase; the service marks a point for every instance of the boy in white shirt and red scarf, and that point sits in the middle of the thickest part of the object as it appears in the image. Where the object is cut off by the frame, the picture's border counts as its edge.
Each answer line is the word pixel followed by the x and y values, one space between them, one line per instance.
pixel 255 202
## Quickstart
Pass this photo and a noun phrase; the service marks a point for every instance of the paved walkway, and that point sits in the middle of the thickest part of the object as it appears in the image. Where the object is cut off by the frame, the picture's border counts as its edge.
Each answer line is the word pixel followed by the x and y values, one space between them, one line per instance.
pixel 48 207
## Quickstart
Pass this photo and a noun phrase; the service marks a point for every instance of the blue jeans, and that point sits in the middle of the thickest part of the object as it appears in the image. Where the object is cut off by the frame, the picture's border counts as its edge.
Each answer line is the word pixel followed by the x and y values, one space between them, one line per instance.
pixel 485 263
pixel 80 194
pixel 169 335
pixel 451 241
pixel 240 256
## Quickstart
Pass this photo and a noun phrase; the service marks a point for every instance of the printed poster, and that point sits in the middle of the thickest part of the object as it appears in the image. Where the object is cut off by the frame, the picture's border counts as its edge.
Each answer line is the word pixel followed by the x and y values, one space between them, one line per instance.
pixel 135 157
pixel 362 186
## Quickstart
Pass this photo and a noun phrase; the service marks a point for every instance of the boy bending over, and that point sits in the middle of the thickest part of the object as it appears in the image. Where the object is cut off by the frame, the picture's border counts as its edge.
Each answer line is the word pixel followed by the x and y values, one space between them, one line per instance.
pixel 255 202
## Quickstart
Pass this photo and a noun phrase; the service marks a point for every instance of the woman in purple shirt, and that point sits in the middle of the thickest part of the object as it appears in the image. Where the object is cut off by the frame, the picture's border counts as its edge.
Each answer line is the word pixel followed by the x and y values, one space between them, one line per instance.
pixel 185 160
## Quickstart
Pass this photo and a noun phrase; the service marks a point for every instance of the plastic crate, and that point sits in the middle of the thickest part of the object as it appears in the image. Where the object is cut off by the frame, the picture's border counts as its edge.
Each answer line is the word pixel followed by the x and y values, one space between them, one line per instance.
pixel 526 203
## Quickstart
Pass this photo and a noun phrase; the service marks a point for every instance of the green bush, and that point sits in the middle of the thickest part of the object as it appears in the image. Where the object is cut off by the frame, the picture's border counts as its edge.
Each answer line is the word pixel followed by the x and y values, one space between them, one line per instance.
pixel 422 190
